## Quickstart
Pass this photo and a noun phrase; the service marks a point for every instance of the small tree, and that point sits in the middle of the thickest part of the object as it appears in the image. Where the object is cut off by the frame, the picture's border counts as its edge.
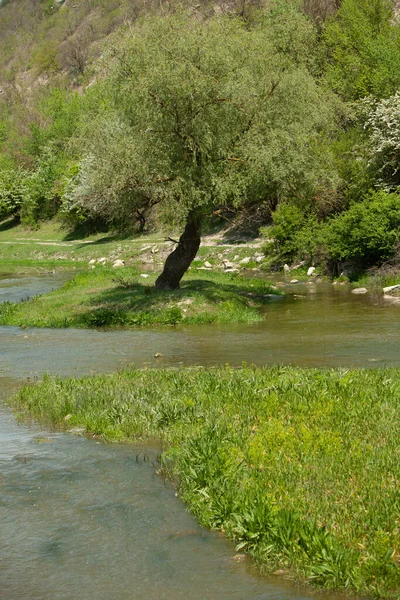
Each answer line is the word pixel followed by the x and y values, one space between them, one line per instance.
pixel 382 122
pixel 215 112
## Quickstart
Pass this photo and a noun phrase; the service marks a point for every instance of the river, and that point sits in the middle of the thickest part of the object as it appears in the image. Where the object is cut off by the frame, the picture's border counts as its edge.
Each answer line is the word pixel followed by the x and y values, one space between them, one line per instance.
pixel 87 520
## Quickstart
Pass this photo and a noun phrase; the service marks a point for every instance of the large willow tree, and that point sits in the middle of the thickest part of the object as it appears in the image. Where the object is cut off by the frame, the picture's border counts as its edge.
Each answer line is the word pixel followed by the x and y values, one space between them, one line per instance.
pixel 206 113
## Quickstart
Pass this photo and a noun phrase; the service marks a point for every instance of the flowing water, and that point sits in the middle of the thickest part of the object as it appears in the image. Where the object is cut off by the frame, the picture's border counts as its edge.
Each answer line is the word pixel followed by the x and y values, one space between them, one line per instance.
pixel 86 520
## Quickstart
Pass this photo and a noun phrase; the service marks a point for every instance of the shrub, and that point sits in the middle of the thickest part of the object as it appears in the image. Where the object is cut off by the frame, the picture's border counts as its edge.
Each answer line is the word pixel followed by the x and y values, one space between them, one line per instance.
pixel 369 230
pixel 13 191
pixel 362 49
pixel 294 233
pixel 42 197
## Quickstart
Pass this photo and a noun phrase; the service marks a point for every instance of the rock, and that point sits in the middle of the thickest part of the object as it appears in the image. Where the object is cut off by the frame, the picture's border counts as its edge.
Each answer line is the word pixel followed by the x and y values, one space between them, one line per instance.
pixel 208 265
pixel 158 355
pixel 77 430
pixel 102 260
pixel 144 275
pixel 286 268
pixel 310 271
pixel 391 288
pixel 236 257
pixel 227 264
pixel 155 249
pixel 118 263
pixel 245 260
pixel 92 261
pixel 231 270
pixel 359 291
pixel 294 281
pixel 259 259
pixel 203 268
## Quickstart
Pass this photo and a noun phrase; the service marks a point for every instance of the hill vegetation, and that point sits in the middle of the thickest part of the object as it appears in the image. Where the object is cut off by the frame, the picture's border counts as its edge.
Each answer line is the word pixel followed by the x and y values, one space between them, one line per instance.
pixel 119 114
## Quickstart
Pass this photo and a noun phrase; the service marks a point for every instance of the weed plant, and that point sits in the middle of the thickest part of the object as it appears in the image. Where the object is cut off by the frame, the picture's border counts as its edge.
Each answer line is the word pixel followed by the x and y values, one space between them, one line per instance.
pixel 300 467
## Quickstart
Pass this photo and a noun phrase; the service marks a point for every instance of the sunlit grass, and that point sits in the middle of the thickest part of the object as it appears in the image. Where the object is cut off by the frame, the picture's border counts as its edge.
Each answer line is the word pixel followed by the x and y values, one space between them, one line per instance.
pixel 300 467
pixel 105 297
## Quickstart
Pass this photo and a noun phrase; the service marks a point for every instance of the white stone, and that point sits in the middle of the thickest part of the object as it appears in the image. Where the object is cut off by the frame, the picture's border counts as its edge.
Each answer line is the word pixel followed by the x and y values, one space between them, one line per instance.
pixel 92 261
pixel 144 275
pixel 259 259
pixel 310 271
pixel 359 291
pixel 118 263
pixel 286 268
pixel 245 260
pixel 391 288
pixel 102 260
pixel 208 265
pixel 231 270
pixel 155 249
pixel 227 264
pixel 294 281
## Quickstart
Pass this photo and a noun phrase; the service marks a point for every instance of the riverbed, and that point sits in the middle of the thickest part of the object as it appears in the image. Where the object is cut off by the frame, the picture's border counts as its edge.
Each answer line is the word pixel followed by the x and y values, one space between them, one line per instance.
pixel 87 520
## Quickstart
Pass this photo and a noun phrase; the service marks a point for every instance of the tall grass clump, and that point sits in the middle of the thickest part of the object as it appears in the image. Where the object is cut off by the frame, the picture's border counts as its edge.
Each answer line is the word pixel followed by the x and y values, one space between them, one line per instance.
pixel 300 467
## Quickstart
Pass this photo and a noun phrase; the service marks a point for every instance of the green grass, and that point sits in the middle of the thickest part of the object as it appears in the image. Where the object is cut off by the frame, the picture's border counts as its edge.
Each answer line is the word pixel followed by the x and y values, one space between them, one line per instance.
pixel 106 297
pixel 300 467
pixel 52 243
pixel 376 282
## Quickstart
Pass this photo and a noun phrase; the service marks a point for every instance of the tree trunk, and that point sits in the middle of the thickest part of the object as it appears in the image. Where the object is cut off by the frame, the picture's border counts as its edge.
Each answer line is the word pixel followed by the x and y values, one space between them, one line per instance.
pixel 180 259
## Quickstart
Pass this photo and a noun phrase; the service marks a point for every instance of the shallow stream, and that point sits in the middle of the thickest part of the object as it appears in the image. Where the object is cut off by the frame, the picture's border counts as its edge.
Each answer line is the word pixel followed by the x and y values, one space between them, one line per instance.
pixel 85 520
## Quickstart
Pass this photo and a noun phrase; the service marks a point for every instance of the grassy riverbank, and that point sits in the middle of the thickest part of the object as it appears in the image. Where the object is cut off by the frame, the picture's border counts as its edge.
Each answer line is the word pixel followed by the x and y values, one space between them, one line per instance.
pixel 300 467
pixel 106 297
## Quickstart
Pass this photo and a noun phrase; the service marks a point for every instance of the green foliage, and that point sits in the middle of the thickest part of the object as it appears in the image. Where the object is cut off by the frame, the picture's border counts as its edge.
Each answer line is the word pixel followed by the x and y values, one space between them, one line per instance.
pixel 41 200
pixel 382 121
pixel 13 191
pixel 44 58
pixel 363 49
pixel 98 298
pixel 369 230
pixel 295 234
pixel 206 113
pixel 299 466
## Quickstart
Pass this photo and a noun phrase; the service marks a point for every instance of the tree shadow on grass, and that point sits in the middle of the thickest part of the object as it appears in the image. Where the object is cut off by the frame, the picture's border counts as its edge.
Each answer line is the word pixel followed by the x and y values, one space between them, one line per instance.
pixel 9 224
pixel 117 237
pixel 141 304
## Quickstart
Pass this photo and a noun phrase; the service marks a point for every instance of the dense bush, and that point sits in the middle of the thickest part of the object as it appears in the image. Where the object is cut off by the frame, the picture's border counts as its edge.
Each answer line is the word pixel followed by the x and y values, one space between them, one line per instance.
pixel 363 50
pixel 382 121
pixel 13 191
pixel 294 234
pixel 369 230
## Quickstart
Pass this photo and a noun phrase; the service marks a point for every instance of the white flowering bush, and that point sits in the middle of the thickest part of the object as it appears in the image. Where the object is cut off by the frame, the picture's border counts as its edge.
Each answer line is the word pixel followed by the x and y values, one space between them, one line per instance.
pixel 382 120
